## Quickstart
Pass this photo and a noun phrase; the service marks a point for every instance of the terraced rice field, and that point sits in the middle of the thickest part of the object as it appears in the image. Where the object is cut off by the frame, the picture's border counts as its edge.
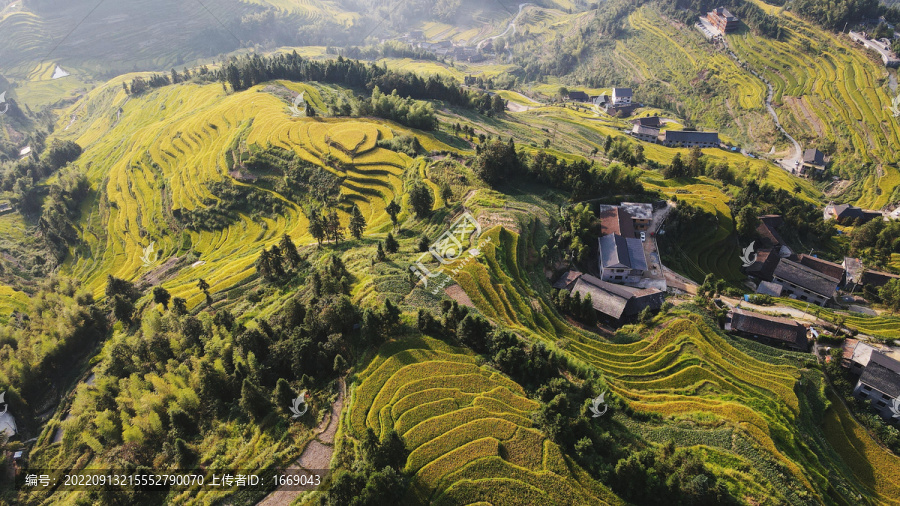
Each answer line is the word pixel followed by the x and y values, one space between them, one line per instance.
pixel 872 465
pixel 843 94
pixel 467 429
pixel 685 371
pixel 717 252
pixel 885 326
pixel 176 141
pixel 11 300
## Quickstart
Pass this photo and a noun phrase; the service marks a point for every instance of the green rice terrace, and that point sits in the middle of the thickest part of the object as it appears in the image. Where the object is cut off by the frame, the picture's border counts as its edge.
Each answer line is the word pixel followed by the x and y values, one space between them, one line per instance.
pixel 362 240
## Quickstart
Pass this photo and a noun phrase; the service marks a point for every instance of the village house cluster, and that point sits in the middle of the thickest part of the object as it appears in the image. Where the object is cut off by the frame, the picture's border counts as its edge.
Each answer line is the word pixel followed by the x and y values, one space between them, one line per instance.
pixel 782 273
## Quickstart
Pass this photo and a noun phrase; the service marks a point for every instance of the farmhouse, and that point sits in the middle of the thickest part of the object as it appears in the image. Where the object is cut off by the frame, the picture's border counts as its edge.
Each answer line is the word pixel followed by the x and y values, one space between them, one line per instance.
pixel 621 96
pixel 621 259
pixel 845 214
pixel 877 279
pixel 579 96
pixel 827 268
pixel 723 20
pixel 616 303
pixel 764 265
pixel 7 421
pixel 690 139
pixel 645 133
pixel 615 220
pixel 770 238
pixel 768 329
pixel 769 288
pixel 879 383
pixel 813 162
pixel 641 214
pixel 802 283
pixel 649 121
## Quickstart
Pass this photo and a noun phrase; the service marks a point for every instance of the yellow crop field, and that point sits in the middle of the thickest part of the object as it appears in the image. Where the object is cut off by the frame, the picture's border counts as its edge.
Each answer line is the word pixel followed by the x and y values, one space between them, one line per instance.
pixel 11 300
pixel 177 140
pixel 461 423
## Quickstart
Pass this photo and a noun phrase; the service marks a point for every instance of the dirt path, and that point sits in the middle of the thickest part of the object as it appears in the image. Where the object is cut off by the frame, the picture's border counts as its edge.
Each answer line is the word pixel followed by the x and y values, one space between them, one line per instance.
pixel 317 454
pixel 510 27
pixel 796 156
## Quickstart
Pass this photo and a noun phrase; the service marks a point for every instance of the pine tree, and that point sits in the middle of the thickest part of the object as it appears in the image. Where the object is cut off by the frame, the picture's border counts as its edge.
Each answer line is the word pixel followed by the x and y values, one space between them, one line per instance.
pixel 379 254
pixel 179 306
pixel 284 396
pixel 277 261
pixel 264 265
pixel 161 296
pixel 393 210
pixel 289 250
pixel 357 222
pixel 316 225
pixel 390 244
pixel 253 402
pixel 333 227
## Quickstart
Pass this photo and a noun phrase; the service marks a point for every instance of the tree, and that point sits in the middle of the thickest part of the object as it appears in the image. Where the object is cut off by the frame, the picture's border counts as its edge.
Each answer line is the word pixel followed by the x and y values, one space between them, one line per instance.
pixel 179 306
pixel 284 396
pixel 421 199
pixel 289 250
pixel 390 244
pixel 646 316
pixel 253 402
pixel 357 222
pixel 473 331
pixel 202 285
pixel 123 308
pixel 676 168
pixel 423 244
pixel 161 296
pixel 184 455
pixel 695 162
pixel 890 295
pixel 379 253
pixel 393 210
pixel 497 161
pixel 746 221
pixel 316 225
pixel 333 228
pixel 310 112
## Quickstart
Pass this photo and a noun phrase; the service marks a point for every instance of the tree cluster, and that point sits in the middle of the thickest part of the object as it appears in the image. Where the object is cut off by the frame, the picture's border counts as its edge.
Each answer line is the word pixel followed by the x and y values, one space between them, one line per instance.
pixel 252 70
pixel 406 111
pixel 228 203
pixel 582 179
pixel 580 309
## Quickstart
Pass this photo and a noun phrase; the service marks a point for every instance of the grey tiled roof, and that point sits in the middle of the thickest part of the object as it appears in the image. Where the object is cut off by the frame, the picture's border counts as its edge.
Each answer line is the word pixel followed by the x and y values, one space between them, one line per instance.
pixel 772 327
pixel 687 136
pixel 805 277
pixel 882 379
pixel 619 252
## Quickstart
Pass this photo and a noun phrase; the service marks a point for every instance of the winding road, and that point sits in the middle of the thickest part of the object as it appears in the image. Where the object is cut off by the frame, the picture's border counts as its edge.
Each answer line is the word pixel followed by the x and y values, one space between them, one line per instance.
pixel 791 162
pixel 512 26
